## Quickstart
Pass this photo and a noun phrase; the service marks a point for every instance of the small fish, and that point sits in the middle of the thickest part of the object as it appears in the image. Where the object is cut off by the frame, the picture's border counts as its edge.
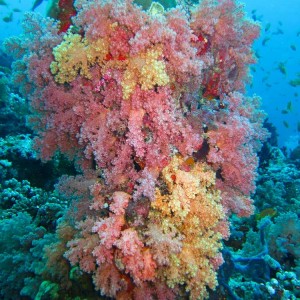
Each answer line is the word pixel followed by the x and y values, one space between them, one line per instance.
pixel 284 112
pixel 9 18
pixel 268 84
pixel 296 95
pixel 298 126
pixel 265 40
pixel 282 68
pixel 293 47
pixel 265 78
pixel 36 4
pixel 257 54
pixel 279 23
pixel 268 212
pixel 298 33
pixel 254 15
pixel 295 82
pixel 16 10
pixel 279 31
pixel 188 164
pixel 257 18
pixel 289 106
pixel 190 161
pixel 268 26
pixel 253 69
pixel 286 124
pixel 2 2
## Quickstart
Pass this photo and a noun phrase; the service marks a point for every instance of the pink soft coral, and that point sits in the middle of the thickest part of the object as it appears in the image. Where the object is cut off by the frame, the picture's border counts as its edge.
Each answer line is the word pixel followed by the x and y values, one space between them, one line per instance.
pixel 137 260
pixel 232 151
pixel 229 35
pixel 154 90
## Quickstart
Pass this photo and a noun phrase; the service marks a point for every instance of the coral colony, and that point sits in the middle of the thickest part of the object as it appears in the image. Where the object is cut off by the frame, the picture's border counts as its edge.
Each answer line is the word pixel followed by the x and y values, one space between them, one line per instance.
pixel 149 106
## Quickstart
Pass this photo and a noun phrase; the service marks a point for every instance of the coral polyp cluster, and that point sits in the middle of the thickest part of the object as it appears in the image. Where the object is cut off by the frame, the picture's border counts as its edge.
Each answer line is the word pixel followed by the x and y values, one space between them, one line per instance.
pixel 76 55
pixel 149 108
pixel 173 240
pixel 190 212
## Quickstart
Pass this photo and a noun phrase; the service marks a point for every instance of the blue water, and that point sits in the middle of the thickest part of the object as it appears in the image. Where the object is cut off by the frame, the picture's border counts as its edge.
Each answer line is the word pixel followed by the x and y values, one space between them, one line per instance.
pixel 268 81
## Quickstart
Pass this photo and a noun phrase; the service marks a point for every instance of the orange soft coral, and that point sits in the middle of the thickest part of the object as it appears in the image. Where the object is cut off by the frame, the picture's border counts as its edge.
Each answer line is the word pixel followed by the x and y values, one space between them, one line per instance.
pixel 189 212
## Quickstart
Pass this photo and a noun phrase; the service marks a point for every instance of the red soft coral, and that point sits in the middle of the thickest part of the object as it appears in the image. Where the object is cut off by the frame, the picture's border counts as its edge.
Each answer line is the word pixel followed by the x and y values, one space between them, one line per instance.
pixel 134 257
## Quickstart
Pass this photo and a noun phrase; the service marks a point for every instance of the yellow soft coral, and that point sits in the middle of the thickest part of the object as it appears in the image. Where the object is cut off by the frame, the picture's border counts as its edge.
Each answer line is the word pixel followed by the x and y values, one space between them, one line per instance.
pixel 75 55
pixel 191 205
pixel 145 69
